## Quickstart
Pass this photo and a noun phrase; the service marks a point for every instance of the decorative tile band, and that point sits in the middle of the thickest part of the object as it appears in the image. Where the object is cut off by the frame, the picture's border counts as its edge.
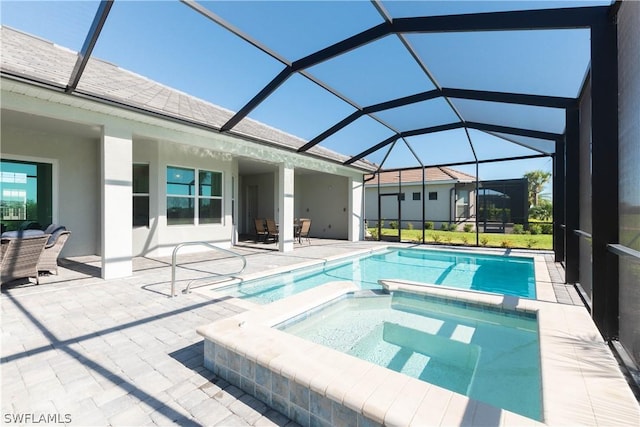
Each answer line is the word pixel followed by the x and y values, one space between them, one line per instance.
pixel 285 395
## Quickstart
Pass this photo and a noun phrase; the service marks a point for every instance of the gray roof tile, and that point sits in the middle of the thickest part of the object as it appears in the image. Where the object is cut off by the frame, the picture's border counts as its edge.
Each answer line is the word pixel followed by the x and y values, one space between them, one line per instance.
pixel 34 58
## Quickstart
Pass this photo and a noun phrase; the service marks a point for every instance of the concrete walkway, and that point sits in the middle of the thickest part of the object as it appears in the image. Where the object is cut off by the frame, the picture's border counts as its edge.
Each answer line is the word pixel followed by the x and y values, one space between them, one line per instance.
pixel 80 350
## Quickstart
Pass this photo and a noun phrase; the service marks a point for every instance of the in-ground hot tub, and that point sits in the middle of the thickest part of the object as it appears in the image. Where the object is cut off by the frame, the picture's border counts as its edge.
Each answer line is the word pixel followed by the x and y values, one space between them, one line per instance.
pixel 316 385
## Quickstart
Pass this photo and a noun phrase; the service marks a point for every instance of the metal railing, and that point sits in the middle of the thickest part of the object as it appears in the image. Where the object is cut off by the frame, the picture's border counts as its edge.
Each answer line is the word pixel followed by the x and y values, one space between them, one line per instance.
pixel 582 234
pixel 622 250
pixel 209 245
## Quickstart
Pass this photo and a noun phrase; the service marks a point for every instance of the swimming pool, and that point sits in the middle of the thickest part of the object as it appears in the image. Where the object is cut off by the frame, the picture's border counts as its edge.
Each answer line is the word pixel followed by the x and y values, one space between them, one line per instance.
pixel 505 275
pixel 489 355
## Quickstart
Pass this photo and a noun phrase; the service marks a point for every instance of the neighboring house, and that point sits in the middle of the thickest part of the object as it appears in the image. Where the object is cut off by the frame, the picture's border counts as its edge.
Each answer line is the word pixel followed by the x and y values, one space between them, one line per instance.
pixel 134 168
pixel 448 196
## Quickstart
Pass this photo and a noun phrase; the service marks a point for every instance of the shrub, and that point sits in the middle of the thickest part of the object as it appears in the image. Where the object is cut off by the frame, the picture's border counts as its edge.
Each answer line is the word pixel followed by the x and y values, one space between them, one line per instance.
pixel 393 225
pixel 374 233
pixel 484 241
pixel 506 243
pixel 543 211
pixel 465 240
pixel 534 229
pixel 428 225
pixel 444 226
pixel 447 239
pixel 382 223
pixel 409 226
pixel 531 243
pixel 453 227
pixel 518 229
pixel 546 228
pixel 435 237
pixel 468 228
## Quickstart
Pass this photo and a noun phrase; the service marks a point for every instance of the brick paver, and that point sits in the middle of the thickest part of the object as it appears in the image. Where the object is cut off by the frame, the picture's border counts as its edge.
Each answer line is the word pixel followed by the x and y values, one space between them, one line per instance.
pixel 120 352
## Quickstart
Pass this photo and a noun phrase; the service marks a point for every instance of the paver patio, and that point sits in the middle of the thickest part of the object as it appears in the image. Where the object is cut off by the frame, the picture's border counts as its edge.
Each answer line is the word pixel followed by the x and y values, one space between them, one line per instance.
pixel 87 351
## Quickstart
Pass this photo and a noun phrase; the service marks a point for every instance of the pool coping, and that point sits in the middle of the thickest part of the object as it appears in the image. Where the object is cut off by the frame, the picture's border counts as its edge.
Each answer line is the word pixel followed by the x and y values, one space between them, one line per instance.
pixel 245 349
pixel 581 380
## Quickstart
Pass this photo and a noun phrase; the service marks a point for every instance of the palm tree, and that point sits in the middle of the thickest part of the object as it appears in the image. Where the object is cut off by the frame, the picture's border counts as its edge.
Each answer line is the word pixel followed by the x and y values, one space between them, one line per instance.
pixel 536 181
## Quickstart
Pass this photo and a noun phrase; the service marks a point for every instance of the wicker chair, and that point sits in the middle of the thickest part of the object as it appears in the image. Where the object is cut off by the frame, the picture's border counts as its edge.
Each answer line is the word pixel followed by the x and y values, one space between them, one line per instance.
pixel 20 257
pixel 49 258
pixel 272 230
pixel 303 230
pixel 261 231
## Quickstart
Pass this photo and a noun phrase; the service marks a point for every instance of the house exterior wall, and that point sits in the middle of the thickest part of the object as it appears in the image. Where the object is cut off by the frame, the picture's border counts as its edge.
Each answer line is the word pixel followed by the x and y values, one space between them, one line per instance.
pixel 629 174
pixel 76 160
pixel 265 185
pixel 158 142
pixel 324 199
pixel 163 236
pixel 437 211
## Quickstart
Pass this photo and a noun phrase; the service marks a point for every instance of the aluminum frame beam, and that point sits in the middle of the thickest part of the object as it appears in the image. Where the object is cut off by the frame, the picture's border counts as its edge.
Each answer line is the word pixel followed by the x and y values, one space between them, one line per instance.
pixel 492 21
pixel 89 43
pixel 457 125
pixel 478 95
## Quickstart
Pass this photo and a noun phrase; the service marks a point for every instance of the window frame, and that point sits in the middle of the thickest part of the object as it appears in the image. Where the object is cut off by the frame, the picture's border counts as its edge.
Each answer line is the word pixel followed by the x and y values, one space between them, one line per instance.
pixel 433 195
pixel 196 197
pixel 146 195
pixel 417 196
pixel 55 171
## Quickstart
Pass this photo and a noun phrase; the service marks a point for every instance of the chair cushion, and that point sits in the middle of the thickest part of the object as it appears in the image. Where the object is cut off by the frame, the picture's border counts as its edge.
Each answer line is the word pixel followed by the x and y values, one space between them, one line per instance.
pixel 19 234
pixel 55 232
pixel 50 228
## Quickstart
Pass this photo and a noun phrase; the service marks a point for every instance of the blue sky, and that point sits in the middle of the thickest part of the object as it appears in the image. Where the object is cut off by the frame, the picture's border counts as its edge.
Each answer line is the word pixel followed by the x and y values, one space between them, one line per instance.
pixel 172 44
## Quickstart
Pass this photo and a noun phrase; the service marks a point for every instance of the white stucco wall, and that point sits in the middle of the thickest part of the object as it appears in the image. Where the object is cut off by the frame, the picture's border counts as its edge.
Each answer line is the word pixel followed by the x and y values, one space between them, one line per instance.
pixel 265 187
pixel 76 160
pixel 160 143
pixel 325 200
pixel 435 210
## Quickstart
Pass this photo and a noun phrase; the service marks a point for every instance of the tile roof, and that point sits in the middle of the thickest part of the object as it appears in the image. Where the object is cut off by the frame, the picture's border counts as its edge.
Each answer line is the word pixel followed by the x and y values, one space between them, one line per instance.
pixel 415 175
pixel 36 59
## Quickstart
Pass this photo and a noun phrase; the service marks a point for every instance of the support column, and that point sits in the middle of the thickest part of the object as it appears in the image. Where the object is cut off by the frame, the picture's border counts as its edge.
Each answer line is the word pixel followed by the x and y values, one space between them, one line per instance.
pixel 604 177
pixel 558 201
pixel 117 203
pixel 572 196
pixel 356 202
pixel 285 207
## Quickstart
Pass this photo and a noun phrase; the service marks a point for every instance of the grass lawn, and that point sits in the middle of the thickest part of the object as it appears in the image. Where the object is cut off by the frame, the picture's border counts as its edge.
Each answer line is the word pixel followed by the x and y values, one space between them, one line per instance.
pixel 526 241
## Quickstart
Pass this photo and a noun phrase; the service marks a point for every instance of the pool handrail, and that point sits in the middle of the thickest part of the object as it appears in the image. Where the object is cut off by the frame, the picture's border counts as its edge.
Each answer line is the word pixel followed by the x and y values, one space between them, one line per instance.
pixel 209 245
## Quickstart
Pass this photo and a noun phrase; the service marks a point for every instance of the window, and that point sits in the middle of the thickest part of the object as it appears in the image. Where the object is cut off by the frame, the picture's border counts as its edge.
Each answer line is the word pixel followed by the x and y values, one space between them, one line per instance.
pixel 193 196
pixel 462 204
pixel 401 196
pixel 416 196
pixel 140 195
pixel 433 195
pixel 26 195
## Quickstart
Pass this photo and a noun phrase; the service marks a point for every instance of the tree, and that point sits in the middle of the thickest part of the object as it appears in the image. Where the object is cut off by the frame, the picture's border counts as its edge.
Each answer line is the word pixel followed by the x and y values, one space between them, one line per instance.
pixel 536 181
pixel 542 211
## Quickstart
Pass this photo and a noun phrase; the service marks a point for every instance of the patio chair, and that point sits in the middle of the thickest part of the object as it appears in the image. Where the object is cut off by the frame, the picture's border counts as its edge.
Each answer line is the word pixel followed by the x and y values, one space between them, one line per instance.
pixel 261 232
pixel 58 236
pixel 272 230
pixel 20 257
pixel 303 230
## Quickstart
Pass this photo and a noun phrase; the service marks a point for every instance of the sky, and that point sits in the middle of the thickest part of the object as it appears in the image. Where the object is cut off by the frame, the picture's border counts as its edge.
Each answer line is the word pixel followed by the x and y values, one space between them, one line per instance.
pixel 170 43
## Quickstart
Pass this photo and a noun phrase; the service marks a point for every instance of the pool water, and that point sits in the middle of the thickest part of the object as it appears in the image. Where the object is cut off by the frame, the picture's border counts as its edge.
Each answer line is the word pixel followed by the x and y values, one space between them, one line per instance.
pixel 488 273
pixel 488 355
